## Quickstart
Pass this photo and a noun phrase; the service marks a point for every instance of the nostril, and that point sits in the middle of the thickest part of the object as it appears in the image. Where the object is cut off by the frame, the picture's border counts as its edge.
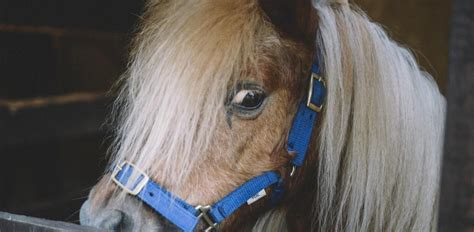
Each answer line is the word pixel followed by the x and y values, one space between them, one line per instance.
pixel 112 220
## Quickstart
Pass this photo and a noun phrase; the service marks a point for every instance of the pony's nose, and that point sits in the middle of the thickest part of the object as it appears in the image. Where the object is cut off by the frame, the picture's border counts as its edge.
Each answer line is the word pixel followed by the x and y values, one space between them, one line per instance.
pixel 112 220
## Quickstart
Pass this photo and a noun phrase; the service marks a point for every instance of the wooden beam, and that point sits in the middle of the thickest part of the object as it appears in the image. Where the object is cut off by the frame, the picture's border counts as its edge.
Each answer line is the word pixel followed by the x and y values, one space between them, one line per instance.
pixel 457 185
pixel 60 32
pixel 12 222
pixel 40 102
pixel 43 119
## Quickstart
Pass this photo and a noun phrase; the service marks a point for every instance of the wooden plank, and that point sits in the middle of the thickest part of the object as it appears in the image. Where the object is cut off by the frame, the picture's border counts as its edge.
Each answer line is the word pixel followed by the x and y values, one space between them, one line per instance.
pixel 44 119
pixel 60 32
pixel 457 185
pixel 12 222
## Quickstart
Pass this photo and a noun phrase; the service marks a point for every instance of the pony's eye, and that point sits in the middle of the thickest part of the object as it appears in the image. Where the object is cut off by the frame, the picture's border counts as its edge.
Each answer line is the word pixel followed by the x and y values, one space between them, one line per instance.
pixel 248 99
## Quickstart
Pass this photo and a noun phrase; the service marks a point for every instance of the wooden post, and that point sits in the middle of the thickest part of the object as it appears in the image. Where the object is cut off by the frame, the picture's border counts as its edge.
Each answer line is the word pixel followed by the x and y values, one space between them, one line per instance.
pixel 12 222
pixel 457 184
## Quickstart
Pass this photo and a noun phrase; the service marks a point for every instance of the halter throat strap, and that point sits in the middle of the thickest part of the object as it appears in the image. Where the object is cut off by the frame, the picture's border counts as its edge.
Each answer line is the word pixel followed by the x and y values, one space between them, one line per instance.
pixel 187 217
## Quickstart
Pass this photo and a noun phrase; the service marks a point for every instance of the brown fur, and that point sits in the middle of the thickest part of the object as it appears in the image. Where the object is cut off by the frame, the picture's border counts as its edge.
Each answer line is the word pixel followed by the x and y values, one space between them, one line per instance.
pixel 283 71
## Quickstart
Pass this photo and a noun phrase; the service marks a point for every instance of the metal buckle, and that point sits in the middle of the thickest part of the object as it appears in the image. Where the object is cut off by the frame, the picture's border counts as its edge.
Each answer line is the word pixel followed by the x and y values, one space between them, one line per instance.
pixel 138 187
pixel 309 104
pixel 203 210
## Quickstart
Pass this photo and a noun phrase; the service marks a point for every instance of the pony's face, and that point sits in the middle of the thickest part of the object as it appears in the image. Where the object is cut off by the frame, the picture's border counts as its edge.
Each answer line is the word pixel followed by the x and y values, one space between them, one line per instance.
pixel 223 105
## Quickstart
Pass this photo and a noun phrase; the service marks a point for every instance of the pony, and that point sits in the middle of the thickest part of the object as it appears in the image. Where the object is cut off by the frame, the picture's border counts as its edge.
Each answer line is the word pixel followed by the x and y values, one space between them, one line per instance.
pixel 209 98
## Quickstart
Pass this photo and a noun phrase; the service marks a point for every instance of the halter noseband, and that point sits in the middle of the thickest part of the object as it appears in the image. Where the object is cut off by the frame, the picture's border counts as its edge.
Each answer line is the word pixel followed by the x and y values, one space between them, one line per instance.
pixel 186 216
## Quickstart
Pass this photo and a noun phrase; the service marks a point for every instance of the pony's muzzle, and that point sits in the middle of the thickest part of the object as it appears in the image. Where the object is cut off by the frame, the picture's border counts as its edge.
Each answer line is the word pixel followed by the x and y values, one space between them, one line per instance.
pixel 126 217
pixel 110 219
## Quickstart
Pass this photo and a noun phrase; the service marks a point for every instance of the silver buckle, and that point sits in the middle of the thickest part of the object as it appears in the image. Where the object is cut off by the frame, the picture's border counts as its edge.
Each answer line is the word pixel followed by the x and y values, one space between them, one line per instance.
pixel 138 187
pixel 309 104
pixel 203 210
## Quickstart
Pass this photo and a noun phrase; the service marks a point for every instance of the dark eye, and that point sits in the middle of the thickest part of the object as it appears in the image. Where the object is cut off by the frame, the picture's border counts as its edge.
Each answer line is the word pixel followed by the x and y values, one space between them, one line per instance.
pixel 248 99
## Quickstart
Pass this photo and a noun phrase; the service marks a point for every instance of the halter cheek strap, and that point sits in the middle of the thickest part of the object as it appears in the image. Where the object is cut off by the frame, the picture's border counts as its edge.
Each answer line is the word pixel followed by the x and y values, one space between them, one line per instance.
pixel 305 119
pixel 185 216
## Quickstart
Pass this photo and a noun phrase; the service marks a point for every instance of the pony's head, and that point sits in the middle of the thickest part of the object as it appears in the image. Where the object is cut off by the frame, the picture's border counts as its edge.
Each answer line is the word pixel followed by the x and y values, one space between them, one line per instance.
pixel 210 96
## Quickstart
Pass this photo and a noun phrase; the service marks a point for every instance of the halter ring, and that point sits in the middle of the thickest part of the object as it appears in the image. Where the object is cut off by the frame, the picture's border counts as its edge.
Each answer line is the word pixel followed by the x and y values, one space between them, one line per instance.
pixel 203 214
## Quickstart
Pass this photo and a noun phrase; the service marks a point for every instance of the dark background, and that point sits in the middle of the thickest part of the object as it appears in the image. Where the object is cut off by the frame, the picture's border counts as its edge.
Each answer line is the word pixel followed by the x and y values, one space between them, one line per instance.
pixel 58 59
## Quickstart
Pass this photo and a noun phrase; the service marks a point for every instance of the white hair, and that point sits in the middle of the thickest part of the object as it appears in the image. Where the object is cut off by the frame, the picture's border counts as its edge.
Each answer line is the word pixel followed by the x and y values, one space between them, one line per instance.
pixel 382 134
pixel 273 220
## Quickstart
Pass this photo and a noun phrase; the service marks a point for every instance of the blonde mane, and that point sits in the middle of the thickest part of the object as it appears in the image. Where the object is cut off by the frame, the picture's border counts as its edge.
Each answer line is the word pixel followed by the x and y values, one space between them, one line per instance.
pixel 381 135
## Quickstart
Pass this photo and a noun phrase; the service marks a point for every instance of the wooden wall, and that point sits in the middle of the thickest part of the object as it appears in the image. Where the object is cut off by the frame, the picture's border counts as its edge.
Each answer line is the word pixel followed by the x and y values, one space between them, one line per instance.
pixel 457 186
pixel 57 61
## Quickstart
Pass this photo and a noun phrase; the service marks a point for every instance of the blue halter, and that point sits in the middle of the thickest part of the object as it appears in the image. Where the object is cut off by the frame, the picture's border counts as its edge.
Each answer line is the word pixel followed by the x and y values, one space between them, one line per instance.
pixel 187 217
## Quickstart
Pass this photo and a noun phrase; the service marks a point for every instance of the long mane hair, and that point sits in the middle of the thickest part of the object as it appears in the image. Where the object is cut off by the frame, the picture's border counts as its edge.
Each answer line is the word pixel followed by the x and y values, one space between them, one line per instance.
pixel 381 135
